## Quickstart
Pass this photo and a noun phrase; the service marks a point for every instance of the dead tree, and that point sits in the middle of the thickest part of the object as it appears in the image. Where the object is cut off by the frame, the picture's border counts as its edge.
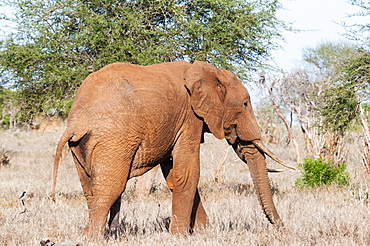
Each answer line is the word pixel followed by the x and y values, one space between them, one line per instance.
pixel 270 90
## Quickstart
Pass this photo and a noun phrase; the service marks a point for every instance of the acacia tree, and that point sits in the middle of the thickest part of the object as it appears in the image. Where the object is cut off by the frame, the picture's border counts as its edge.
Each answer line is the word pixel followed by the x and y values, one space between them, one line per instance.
pixel 335 108
pixel 350 94
pixel 57 43
pixel 348 101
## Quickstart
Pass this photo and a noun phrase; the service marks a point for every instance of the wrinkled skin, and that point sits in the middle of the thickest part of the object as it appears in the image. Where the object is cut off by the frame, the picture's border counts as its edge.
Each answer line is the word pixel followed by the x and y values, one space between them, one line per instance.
pixel 126 119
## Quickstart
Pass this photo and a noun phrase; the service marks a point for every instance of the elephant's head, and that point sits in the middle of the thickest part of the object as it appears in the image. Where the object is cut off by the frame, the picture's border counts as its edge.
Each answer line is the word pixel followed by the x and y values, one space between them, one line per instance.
pixel 217 96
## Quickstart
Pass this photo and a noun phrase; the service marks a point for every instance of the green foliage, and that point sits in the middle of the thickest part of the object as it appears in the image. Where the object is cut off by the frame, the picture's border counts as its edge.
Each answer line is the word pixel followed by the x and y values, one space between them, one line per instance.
pixel 341 109
pixel 319 172
pixel 56 44
pixel 366 107
pixel 346 93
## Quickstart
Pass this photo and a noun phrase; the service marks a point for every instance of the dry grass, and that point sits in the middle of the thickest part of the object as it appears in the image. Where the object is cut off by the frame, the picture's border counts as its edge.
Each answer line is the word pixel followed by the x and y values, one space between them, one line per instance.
pixel 324 216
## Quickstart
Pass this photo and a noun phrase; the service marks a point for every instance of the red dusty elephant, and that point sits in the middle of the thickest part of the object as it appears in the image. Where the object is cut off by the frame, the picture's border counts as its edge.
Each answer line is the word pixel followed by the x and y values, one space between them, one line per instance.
pixel 126 119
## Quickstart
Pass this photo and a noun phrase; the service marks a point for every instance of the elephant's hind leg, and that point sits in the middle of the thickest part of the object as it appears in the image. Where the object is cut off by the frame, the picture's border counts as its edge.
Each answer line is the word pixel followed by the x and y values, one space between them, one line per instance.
pixel 111 166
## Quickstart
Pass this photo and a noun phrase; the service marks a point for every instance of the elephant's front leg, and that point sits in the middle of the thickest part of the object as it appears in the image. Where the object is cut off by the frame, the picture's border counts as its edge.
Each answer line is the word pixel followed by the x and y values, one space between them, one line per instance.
pixel 187 209
pixel 199 218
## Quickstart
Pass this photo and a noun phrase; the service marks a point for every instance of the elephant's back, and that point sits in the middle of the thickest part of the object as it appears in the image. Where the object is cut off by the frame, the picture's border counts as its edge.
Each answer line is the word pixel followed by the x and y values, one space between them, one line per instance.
pixel 124 81
pixel 124 96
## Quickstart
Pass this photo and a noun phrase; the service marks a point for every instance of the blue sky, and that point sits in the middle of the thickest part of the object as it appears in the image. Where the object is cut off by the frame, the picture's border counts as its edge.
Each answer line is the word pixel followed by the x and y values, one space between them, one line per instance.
pixel 319 18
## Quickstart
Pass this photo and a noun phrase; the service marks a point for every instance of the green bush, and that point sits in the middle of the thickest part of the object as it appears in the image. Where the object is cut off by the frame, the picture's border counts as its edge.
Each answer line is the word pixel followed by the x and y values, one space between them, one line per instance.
pixel 319 172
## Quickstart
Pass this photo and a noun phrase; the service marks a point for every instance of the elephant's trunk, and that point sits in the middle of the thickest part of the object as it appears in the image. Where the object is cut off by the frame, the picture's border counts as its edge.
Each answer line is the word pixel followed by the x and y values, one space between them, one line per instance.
pixel 254 157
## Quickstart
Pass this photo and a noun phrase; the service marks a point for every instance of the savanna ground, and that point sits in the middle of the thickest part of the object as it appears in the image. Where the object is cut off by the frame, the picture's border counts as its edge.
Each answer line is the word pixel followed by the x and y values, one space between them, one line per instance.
pixel 320 216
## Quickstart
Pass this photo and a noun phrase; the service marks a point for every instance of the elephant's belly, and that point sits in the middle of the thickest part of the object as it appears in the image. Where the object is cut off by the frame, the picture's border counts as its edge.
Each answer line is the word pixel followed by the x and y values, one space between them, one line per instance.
pixel 148 157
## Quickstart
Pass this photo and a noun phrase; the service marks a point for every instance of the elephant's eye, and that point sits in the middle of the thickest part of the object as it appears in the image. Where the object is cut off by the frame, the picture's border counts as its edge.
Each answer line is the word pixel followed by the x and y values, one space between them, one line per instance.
pixel 245 104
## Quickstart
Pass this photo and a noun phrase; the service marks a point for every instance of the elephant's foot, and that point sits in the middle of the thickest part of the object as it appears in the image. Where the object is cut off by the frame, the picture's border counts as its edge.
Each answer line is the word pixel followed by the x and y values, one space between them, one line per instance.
pixel 179 228
pixel 200 223
pixel 95 228
pixel 94 231
pixel 184 227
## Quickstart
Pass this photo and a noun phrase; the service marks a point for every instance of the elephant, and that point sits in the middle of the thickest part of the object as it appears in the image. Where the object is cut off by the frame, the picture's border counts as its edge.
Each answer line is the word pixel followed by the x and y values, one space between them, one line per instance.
pixel 127 119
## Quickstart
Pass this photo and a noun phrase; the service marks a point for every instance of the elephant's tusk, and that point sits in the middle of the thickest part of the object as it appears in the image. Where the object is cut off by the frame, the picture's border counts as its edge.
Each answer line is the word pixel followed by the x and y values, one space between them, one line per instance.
pixel 265 150
pixel 273 170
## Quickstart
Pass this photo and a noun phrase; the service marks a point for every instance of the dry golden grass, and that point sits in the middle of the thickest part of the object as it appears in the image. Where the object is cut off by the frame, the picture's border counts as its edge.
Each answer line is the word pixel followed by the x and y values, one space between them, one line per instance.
pixel 323 216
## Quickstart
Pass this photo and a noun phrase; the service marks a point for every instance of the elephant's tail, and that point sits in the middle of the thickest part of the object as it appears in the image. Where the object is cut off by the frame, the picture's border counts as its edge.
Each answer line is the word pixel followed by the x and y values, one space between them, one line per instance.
pixel 58 155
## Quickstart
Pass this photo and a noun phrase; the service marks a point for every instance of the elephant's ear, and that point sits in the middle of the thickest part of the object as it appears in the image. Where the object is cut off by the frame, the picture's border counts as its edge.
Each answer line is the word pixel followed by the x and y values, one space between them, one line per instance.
pixel 207 95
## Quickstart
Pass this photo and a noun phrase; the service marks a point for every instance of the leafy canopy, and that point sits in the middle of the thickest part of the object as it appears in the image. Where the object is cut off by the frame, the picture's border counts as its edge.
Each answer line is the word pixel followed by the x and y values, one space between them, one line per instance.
pixel 57 43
